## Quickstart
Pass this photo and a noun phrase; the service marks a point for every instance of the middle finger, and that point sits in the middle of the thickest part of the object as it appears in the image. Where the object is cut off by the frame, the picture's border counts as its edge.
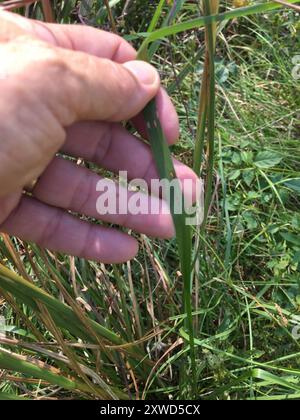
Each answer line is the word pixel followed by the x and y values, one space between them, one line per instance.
pixel 111 146
pixel 69 186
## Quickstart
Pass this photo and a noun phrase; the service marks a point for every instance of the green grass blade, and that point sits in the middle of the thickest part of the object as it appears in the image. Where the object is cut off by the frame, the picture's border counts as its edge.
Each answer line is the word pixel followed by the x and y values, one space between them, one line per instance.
pixel 10 397
pixel 205 20
pixel 166 170
pixel 156 16
pixel 274 379
pixel 177 5
pixel 211 102
pixel 61 313
pixel 9 361
pixel 188 68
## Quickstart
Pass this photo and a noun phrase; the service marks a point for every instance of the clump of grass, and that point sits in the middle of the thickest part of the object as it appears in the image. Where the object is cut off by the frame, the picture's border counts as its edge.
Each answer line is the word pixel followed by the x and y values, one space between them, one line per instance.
pixel 206 115
pixel 118 332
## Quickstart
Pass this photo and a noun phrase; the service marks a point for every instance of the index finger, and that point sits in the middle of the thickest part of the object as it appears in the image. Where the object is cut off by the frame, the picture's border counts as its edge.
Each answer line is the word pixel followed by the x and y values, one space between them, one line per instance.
pixel 77 37
pixel 100 44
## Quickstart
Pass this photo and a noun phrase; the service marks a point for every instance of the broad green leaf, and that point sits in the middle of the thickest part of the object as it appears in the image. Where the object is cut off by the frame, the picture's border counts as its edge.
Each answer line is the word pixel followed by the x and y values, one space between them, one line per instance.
pixel 248 176
pixel 234 175
pixel 296 260
pixel 236 158
pixel 247 156
pixel 292 239
pixel 293 184
pixel 267 159
pixel 250 220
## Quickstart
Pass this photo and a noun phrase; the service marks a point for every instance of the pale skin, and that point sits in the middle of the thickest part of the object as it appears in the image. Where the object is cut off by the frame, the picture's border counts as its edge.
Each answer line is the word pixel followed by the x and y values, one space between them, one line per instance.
pixel 67 89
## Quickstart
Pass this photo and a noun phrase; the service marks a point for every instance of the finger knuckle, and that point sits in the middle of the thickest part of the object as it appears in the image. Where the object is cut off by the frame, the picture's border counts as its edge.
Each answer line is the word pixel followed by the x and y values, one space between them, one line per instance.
pixel 49 230
pixel 27 53
pixel 49 59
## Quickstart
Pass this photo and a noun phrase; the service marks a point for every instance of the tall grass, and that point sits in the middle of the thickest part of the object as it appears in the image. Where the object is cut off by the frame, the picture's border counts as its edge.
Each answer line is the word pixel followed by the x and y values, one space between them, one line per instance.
pixel 206 115
pixel 110 349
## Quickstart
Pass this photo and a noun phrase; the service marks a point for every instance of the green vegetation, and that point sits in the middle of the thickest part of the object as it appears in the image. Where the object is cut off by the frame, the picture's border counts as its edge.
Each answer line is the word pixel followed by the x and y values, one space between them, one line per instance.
pixel 215 314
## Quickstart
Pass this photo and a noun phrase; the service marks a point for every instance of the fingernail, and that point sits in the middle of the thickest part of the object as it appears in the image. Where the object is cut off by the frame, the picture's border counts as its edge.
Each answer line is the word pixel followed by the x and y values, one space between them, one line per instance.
pixel 143 71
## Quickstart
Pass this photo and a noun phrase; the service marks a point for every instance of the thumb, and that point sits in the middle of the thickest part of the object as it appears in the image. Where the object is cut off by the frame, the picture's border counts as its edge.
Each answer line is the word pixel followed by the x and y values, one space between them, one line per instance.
pixel 135 88
pixel 99 89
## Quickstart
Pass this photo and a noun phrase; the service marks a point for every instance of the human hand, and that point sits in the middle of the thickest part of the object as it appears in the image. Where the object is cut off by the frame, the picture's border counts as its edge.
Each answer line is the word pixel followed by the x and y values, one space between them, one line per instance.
pixel 66 89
